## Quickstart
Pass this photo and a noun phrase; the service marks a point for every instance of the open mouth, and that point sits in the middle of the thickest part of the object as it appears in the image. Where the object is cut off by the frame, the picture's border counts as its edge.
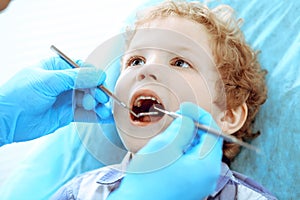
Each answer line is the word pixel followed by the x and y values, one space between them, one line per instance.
pixel 143 106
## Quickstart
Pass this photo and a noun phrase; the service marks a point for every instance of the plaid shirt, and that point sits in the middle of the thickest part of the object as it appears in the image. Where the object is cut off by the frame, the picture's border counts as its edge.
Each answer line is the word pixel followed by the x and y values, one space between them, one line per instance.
pixel 99 183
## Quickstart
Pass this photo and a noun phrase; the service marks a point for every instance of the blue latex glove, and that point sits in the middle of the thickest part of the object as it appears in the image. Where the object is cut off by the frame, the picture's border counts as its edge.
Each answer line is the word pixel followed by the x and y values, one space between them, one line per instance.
pixel 57 158
pixel 162 171
pixel 37 101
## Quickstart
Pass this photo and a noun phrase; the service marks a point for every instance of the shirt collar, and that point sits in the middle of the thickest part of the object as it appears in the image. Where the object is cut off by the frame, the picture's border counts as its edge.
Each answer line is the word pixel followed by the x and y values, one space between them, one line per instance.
pixel 225 176
pixel 115 173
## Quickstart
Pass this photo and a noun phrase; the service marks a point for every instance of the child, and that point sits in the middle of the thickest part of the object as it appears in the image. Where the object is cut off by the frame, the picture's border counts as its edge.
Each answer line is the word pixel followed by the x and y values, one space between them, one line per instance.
pixel 177 52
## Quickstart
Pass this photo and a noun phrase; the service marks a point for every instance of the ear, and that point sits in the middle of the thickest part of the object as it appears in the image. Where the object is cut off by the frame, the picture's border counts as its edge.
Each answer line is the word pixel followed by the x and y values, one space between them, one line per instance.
pixel 232 120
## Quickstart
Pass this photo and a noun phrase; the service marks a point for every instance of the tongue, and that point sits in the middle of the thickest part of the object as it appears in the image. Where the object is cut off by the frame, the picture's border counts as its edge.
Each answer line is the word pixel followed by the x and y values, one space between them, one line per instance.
pixel 145 119
pixel 150 118
pixel 146 105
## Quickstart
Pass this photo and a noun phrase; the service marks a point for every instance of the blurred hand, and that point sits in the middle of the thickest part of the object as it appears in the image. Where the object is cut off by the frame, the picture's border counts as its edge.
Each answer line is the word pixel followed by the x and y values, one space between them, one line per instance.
pixel 37 101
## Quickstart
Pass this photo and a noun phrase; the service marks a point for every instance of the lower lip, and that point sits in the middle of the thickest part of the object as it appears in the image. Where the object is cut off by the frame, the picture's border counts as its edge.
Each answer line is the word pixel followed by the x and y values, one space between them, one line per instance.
pixel 148 121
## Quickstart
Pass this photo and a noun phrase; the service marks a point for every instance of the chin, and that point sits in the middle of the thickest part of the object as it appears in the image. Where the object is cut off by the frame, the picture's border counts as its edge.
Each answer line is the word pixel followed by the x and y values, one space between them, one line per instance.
pixel 134 148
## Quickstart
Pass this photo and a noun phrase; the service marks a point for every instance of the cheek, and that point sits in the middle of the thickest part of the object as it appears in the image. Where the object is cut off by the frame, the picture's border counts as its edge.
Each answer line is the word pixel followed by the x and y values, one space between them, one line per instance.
pixel 195 89
pixel 123 87
pixel 206 95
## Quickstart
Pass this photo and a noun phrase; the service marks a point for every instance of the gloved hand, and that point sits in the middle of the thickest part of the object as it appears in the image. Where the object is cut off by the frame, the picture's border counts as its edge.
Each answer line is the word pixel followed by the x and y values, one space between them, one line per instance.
pixel 37 101
pixel 173 165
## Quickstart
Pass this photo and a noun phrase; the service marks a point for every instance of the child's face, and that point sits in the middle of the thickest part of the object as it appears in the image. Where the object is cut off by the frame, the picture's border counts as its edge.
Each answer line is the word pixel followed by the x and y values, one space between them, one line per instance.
pixel 168 61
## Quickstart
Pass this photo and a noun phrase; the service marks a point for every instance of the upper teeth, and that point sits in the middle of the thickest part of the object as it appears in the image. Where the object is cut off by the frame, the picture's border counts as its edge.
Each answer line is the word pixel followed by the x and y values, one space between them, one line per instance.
pixel 138 103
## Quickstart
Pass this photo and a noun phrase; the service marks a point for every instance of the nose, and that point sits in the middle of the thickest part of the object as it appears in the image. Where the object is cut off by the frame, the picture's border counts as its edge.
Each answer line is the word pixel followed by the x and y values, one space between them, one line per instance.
pixel 147 72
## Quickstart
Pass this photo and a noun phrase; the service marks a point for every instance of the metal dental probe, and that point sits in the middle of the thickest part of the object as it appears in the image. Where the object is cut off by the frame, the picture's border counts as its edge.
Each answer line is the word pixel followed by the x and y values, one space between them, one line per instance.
pixel 109 93
pixel 226 137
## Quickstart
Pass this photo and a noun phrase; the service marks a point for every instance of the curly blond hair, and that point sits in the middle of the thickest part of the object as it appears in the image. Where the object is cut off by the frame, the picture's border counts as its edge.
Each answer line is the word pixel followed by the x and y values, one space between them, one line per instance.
pixel 242 79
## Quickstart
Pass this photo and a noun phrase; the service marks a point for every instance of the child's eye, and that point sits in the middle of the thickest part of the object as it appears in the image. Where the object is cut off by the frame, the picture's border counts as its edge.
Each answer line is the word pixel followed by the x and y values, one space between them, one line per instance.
pixel 135 60
pixel 179 62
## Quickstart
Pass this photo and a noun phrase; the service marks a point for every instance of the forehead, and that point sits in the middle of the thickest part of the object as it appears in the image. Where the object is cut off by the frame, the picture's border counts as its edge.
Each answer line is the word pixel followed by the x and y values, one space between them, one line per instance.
pixel 173 34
